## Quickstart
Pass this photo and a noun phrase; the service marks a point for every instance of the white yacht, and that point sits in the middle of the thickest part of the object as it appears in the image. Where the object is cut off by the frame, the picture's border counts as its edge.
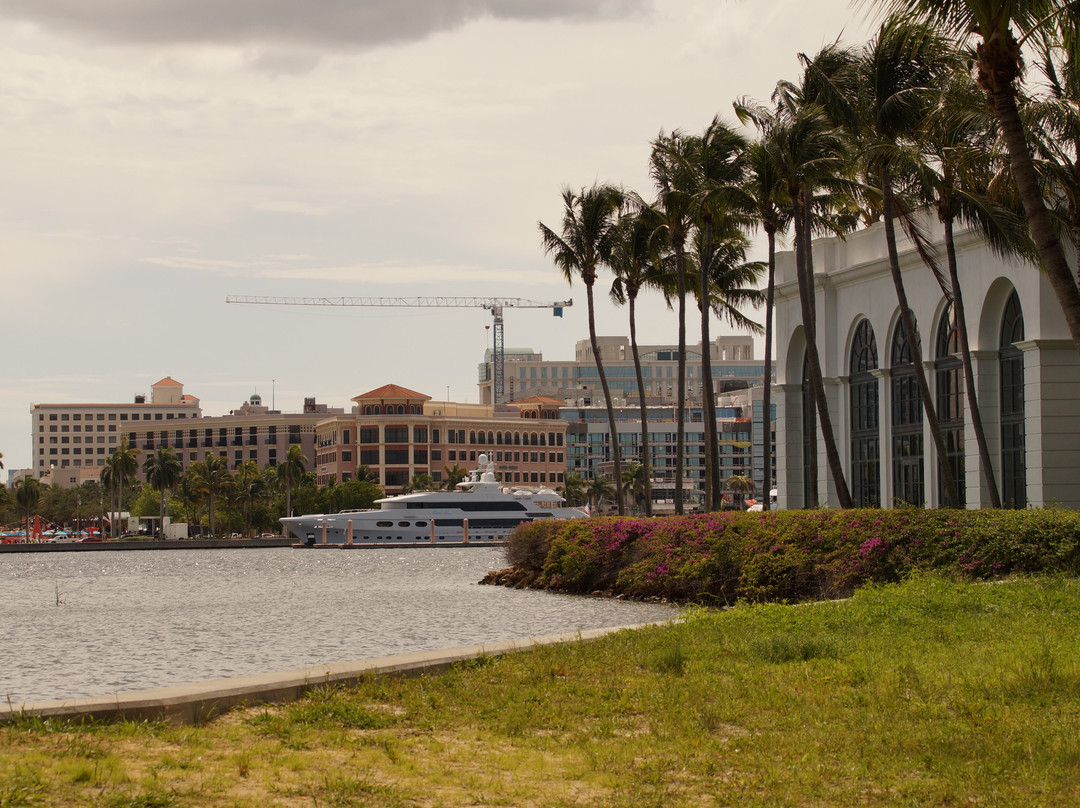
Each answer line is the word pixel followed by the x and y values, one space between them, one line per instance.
pixel 480 511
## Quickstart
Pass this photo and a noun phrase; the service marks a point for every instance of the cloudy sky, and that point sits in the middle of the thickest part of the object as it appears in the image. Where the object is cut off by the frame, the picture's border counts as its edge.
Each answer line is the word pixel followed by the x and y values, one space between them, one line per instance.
pixel 160 155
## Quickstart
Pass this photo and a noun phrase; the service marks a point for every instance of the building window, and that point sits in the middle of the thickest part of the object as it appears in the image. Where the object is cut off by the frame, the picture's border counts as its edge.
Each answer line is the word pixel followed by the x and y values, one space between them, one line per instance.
pixel 1011 363
pixel 865 432
pixel 420 434
pixel 907 420
pixel 397 434
pixel 949 383
pixel 369 434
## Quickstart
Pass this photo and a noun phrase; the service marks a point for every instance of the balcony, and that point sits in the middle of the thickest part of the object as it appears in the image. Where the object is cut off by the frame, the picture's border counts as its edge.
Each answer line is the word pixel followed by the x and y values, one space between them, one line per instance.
pixel 271 440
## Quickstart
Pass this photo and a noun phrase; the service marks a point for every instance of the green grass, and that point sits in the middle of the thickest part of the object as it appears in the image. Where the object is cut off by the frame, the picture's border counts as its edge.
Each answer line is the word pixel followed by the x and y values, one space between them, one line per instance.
pixel 925 693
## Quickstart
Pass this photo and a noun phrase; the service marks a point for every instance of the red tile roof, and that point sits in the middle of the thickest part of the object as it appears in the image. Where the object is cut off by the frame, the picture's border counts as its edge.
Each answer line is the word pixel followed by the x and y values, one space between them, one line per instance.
pixel 168 381
pixel 538 400
pixel 391 391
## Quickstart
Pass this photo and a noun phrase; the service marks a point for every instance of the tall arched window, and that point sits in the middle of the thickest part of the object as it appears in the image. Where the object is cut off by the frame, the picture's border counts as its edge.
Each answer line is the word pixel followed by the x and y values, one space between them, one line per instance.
pixel 1011 360
pixel 865 432
pixel 907 422
pixel 949 372
pixel 809 431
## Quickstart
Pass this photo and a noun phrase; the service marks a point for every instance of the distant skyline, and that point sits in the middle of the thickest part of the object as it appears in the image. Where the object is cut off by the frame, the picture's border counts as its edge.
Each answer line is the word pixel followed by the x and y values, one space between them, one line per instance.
pixel 162 154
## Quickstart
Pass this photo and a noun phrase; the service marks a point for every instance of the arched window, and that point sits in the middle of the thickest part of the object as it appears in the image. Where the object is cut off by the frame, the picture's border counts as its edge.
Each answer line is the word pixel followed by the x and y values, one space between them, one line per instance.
pixel 809 431
pixel 491 437
pixel 865 431
pixel 1011 361
pixel 481 438
pixel 367 410
pixel 472 437
pixel 498 438
pixel 907 422
pixel 517 438
pixel 400 409
pixel 949 373
pixel 376 409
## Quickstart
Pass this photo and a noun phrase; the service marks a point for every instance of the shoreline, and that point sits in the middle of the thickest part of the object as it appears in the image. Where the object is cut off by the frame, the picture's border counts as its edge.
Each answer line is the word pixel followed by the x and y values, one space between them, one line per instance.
pixel 196 702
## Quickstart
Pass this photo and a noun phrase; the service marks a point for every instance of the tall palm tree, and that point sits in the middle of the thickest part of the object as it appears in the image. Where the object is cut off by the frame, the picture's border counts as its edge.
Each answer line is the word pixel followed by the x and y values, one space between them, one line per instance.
pixel 163 470
pixel 957 145
pixel 634 270
pixel 583 245
pixel 214 480
pixel 27 496
pixel 1000 64
pixel 732 285
pixel 809 152
pixel 898 73
pixel 290 472
pixel 764 191
pixel 250 489
pixel 715 166
pixel 123 463
pixel 673 210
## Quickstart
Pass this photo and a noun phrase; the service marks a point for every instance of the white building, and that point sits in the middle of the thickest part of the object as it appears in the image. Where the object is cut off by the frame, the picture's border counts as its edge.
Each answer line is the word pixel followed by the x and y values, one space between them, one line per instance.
pixel 1027 371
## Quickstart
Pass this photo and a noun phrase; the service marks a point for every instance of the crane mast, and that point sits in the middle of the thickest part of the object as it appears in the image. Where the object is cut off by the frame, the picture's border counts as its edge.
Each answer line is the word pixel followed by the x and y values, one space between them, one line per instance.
pixel 493 304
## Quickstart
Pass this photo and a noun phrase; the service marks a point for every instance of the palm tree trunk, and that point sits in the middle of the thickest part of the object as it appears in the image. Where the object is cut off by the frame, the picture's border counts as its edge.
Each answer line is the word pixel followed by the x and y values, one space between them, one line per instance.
pixel 969 373
pixel 647 473
pixel 680 430
pixel 766 396
pixel 616 449
pixel 1051 254
pixel 817 388
pixel 708 401
pixel 929 410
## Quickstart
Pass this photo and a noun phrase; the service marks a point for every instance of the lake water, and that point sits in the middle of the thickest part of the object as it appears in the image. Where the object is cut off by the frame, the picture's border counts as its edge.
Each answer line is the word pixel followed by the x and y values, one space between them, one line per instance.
pixel 94 623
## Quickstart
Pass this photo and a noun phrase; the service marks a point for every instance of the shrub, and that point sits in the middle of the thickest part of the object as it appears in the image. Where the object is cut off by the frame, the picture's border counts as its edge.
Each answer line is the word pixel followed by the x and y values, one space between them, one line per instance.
pixel 791 555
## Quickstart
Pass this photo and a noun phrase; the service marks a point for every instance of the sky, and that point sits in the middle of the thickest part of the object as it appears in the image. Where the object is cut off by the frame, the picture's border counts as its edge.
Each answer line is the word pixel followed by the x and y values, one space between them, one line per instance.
pixel 160 155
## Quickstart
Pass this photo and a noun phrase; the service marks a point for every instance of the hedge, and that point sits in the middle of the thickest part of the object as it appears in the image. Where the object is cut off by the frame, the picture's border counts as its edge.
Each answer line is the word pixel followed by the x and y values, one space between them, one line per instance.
pixel 788 555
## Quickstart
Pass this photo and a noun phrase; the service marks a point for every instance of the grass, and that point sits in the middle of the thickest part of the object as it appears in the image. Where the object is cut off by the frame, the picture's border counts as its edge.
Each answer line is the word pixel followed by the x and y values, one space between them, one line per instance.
pixel 925 693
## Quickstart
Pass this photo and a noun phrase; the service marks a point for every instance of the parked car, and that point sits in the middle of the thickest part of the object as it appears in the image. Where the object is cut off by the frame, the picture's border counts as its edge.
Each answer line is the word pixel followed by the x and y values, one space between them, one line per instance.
pixel 88 539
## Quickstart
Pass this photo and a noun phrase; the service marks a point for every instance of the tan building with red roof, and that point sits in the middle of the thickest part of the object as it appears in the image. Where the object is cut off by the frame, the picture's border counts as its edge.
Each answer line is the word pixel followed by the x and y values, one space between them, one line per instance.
pixel 398 433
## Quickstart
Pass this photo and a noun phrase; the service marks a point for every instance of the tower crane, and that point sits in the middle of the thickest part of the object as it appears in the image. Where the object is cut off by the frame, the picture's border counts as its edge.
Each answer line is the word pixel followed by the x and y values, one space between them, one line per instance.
pixel 493 304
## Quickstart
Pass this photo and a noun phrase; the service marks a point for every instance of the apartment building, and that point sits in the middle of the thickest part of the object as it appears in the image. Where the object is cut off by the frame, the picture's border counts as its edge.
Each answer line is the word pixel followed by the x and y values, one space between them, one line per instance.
pixel 527 373
pixel 397 433
pixel 83 435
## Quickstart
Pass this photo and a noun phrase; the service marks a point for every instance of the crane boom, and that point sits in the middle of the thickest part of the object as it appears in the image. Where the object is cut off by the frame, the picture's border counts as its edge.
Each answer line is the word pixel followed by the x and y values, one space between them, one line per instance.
pixel 493 304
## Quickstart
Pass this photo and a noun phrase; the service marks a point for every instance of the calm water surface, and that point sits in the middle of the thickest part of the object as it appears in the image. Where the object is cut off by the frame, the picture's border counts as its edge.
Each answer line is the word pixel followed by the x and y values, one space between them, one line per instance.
pixel 133 620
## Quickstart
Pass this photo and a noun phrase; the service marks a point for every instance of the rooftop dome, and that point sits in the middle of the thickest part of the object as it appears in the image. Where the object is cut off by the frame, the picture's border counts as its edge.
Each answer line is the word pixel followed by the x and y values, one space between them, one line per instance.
pixel 255 400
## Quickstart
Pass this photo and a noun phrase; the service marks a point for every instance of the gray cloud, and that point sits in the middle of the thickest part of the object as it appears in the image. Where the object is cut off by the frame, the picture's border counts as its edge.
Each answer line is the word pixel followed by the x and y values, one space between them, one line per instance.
pixel 345 24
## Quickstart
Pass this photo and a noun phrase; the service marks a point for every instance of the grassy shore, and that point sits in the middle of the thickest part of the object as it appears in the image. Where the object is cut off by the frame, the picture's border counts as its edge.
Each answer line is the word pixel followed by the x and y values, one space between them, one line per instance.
pixel 924 693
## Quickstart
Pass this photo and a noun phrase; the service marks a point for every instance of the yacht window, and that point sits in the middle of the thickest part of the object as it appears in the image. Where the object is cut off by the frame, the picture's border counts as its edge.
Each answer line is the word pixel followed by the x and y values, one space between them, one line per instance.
pixel 384 524
pixel 402 524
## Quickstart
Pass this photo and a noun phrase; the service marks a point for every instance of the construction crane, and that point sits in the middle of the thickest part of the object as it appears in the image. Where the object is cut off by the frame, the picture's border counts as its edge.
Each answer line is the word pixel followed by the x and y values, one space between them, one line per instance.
pixel 493 304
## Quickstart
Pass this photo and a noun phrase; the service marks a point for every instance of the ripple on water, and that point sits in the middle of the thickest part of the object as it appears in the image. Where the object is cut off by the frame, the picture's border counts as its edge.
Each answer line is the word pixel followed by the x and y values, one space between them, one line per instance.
pixel 133 620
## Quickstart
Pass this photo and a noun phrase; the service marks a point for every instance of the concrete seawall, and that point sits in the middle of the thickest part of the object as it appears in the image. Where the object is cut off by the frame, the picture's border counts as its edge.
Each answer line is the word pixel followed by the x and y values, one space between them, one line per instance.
pixel 192 703
pixel 167 544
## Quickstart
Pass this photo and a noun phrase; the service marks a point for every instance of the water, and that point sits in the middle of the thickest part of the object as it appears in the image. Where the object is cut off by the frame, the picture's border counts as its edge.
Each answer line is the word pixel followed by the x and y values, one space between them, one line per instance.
pixel 95 623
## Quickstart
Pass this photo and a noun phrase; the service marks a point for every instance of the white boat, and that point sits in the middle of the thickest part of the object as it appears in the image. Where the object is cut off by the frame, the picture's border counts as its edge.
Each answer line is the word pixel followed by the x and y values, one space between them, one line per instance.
pixel 480 511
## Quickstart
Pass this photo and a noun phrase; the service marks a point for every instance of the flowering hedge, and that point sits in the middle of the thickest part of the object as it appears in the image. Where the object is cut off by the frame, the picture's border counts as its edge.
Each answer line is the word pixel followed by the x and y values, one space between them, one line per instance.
pixel 790 555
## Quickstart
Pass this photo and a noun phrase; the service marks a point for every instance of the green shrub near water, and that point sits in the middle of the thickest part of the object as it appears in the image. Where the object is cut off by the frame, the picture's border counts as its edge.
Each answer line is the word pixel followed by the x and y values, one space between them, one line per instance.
pixel 791 555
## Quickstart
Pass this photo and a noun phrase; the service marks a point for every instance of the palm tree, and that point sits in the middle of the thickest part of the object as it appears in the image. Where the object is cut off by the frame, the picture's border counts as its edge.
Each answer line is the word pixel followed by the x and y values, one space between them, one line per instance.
pixel 27 496
pixel 999 62
pixel 740 485
pixel 250 488
pixel 573 489
pixel 634 270
pixel 956 142
pixel 420 482
pixel 808 152
pixel 585 243
pixel 123 463
pixel 635 484
pixel 732 285
pixel 215 480
pixel 452 476
pixel 600 487
pixel 716 165
pixel 290 472
pixel 673 210
pixel 764 195
pixel 163 470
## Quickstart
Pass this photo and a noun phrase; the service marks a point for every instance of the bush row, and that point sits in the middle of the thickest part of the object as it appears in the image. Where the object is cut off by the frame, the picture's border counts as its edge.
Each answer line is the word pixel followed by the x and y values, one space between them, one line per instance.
pixel 788 555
